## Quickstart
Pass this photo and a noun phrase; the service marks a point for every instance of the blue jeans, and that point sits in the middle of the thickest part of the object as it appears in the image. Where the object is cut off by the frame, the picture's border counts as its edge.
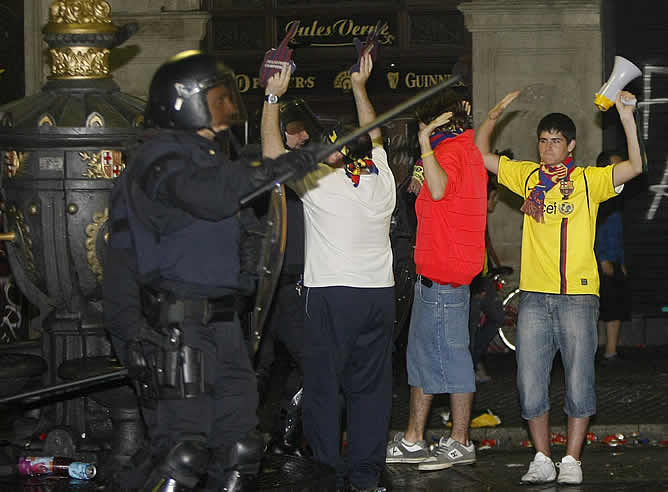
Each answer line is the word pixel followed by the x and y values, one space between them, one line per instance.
pixel 551 322
pixel 438 356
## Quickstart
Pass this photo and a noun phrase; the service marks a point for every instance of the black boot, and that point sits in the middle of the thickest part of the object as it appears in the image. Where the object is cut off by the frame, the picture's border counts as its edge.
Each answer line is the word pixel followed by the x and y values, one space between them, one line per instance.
pixel 182 469
pixel 287 435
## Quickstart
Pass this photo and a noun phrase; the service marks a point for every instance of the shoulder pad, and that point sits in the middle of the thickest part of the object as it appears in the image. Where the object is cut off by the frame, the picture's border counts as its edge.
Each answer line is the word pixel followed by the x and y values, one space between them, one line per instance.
pixel 155 174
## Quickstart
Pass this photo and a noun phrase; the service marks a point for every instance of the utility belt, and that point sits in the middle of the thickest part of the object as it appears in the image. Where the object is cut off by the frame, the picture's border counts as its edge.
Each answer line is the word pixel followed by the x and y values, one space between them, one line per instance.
pixel 162 308
pixel 165 367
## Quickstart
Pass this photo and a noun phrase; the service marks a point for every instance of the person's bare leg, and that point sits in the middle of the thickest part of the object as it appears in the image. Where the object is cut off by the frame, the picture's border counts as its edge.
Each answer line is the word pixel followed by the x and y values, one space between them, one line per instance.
pixel 612 329
pixel 460 403
pixel 539 428
pixel 418 411
pixel 577 431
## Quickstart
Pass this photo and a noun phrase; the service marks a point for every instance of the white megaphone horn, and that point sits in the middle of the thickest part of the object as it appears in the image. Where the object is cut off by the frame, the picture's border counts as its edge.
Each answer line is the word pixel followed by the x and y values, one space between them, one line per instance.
pixel 623 72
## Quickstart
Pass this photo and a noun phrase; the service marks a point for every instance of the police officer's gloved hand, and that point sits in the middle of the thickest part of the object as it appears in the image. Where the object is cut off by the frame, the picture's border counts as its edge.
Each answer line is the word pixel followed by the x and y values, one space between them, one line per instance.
pixel 300 162
pixel 320 150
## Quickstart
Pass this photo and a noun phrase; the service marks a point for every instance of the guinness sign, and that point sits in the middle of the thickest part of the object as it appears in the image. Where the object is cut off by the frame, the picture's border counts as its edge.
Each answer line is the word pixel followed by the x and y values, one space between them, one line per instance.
pixel 333 78
pixel 423 81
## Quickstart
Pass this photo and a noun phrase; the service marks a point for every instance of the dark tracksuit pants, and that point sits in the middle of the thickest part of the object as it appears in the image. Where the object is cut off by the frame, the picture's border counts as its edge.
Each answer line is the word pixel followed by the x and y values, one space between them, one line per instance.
pixel 348 349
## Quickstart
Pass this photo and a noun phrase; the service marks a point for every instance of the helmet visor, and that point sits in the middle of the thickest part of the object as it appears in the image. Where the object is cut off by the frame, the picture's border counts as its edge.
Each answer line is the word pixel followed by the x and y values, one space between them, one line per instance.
pixel 224 98
pixel 297 117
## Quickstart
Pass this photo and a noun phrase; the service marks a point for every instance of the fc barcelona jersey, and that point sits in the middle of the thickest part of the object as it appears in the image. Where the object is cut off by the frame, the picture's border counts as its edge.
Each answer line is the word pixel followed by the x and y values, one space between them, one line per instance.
pixel 558 255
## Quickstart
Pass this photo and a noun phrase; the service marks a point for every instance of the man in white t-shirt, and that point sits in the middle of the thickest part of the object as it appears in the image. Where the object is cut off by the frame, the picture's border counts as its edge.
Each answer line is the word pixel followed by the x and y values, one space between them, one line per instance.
pixel 350 294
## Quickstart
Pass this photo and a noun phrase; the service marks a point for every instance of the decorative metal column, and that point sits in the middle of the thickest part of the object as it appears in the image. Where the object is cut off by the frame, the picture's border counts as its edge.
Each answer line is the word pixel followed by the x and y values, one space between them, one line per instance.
pixel 60 151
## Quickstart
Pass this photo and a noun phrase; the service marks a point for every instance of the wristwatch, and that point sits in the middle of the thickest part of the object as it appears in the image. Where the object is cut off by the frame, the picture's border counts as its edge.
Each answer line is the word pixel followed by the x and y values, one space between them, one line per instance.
pixel 271 98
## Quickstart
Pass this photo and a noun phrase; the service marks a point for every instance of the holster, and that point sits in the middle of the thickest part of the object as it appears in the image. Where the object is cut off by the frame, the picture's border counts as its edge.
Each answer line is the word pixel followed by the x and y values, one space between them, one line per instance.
pixel 166 368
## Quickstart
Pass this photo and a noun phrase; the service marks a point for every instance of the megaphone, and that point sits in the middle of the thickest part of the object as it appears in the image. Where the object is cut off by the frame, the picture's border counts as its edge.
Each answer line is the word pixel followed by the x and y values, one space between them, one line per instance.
pixel 623 72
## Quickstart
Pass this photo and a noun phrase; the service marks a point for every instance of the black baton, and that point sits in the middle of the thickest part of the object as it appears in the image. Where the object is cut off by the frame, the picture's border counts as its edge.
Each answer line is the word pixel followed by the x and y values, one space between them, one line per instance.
pixel 64 388
pixel 352 136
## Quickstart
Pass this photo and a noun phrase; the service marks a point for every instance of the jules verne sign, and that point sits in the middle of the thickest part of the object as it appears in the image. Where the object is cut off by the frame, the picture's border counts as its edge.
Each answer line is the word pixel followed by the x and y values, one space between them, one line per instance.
pixel 338 31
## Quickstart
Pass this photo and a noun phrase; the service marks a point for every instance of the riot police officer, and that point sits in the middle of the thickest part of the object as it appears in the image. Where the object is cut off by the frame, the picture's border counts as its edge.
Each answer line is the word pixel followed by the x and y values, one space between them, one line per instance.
pixel 172 276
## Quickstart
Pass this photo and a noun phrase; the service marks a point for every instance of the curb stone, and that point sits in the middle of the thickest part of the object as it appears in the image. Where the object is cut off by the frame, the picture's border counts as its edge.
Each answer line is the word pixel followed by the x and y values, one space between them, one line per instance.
pixel 512 437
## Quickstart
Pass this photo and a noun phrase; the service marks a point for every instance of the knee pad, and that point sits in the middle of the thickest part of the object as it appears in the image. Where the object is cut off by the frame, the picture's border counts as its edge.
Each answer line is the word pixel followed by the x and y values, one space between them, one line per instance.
pixel 184 466
pixel 246 454
pixel 244 461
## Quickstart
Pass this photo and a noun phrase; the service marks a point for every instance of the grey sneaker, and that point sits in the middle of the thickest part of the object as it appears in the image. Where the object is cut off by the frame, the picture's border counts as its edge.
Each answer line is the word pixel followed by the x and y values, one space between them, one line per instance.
pixel 541 470
pixel 399 450
pixel 447 454
pixel 570 471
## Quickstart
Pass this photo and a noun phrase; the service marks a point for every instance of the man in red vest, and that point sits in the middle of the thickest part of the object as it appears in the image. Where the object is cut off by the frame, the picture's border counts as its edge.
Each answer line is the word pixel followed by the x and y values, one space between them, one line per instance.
pixel 451 212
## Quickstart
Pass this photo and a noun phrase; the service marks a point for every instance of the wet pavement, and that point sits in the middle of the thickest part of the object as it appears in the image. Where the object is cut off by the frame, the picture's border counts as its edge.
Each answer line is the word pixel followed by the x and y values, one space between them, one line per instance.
pixel 606 469
pixel 632 415
pixel 629 434
pixel 633 391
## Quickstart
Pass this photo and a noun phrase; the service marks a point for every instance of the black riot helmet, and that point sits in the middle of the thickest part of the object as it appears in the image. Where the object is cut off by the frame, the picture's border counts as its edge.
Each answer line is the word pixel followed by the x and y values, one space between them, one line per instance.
pixel 178 93
pixel 296 110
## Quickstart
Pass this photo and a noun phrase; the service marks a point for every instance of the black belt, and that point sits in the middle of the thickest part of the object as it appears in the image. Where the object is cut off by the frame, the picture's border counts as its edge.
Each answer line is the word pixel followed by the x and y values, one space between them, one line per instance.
pixel 211 310
pixel 162 307
pixel 427 282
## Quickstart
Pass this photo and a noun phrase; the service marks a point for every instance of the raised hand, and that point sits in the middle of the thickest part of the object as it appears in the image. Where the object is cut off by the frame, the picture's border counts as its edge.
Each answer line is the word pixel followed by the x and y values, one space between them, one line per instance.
pixel 273 57
pixel 369 46
pixel 360 77
pixel 501 106
pixel 465 106
pixel 626 104
pixel 279 82
pixel 427 129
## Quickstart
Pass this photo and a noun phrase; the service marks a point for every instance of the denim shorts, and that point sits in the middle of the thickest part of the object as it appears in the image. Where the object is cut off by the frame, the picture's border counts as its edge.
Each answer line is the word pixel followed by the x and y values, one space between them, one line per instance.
pixel 438 356
pixel 551 322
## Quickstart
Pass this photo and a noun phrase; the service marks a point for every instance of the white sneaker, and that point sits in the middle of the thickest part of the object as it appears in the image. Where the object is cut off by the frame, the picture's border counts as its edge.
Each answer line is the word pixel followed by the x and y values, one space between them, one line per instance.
pixel 570 471
pixel 541 470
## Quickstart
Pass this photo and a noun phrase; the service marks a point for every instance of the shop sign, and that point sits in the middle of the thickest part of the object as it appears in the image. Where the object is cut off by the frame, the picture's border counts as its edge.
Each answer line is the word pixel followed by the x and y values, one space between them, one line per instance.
pixel 338 31
pixel 325 81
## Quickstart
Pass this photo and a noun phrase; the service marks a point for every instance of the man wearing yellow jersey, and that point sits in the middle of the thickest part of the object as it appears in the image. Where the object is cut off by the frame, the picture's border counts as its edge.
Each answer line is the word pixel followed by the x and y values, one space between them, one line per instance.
pixel 559 277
